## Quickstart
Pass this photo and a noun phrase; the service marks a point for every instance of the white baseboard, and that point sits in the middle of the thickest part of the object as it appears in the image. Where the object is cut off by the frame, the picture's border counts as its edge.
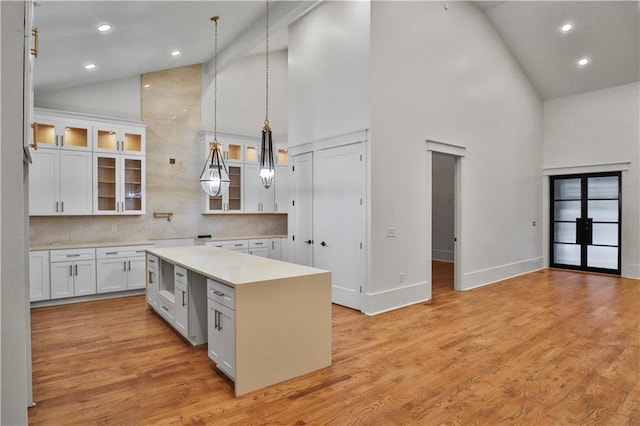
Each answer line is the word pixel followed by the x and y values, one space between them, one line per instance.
pixel 631 270
pixel 482 277
pixel 388 300
pixel 442 255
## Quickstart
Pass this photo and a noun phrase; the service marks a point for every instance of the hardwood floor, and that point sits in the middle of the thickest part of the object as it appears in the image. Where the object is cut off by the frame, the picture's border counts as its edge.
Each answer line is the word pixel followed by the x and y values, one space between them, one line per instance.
pixel 551 347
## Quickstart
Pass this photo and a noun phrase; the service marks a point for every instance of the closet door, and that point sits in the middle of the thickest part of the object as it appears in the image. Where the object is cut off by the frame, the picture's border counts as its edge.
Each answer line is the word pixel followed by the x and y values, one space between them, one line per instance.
pixel 585 215
pixel 339 220
pixel 301 210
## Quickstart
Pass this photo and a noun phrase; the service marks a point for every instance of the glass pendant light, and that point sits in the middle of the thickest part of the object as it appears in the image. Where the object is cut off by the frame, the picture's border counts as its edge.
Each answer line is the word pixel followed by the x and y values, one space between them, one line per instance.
pixel 267 170
pixel 214 178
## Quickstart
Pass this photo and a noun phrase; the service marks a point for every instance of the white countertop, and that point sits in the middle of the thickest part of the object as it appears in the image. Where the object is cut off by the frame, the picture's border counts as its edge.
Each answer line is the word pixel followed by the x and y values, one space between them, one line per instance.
pixel 230 267
pixel 63 246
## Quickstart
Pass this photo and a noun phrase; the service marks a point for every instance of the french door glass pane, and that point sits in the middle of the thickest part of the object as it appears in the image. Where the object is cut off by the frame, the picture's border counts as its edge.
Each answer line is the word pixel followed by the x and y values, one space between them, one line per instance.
pixel 564 232
pixel 602 257
pixel 567 189
pixel 603 210
pixel 605 234
pixel 566 254
pixel 566 210
pixel 602 187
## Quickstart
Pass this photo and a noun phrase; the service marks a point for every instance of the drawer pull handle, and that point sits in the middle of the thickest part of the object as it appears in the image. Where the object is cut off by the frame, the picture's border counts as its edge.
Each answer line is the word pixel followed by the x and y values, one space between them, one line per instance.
pixel 111 252
pixel 73 255
pixel 180 274
pixel 152 261
pixel 259 244
pixel 218 293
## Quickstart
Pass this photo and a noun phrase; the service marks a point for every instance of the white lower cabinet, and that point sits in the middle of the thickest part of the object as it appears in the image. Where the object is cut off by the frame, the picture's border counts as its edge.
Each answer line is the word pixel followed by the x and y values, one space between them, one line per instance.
pixel 275 249
pixel 39 282
pixel 120 268
pixel 259 247
pixel 181 311
pixel 221 327
pixel 153 280
pixel 73 273
pixel 179 297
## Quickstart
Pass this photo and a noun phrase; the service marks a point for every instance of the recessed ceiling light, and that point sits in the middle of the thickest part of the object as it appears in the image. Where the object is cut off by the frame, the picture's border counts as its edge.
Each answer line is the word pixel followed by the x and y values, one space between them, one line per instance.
pixel 103 28
pixel 90 67
pixel 566 27
pixel 176 53
pixel 582 62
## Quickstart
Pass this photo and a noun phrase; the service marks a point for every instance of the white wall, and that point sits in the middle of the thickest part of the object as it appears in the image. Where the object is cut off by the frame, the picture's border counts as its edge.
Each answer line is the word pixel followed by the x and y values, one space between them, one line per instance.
pixel 595 130
pixel 241 96
pixel 446 75
pixel 13 282
pixel 329 72
pixel 443 207
pixel 114 98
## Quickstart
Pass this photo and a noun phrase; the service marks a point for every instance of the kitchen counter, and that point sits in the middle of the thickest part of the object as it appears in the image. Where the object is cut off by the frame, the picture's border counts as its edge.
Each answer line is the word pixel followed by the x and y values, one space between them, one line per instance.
pixel 65 246
pixel 231 268
pixel 265 321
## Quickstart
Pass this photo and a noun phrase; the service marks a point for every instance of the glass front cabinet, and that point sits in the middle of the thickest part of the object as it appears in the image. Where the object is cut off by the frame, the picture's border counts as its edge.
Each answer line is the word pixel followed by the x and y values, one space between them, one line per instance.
pixel 119 185
pixel 61 133
pixel 125 140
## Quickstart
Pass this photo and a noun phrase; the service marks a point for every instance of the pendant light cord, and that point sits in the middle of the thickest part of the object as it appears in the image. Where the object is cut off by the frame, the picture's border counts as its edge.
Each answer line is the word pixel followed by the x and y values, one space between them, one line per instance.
pixel 215 81
pixel 266 119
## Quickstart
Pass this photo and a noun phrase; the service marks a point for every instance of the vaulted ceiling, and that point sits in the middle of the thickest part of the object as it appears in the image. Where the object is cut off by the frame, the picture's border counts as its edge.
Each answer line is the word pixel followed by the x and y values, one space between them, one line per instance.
pixel 144 33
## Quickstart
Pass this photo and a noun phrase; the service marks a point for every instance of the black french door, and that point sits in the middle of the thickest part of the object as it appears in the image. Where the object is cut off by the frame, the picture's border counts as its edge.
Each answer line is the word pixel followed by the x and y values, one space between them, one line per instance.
pixel 586 213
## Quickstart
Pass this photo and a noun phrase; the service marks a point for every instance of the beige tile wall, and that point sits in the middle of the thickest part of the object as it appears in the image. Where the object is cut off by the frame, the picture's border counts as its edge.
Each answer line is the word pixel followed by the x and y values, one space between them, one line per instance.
pixel 171 107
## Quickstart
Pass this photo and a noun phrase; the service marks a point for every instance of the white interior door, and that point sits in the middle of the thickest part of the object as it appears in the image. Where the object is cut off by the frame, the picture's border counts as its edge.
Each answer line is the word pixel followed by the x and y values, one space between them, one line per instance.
pixel 339 220
pixel 302 209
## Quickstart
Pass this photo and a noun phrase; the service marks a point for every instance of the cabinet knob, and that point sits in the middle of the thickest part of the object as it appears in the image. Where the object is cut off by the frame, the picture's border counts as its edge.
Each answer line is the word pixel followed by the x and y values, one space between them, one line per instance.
pixel 323 244
pixel 309 242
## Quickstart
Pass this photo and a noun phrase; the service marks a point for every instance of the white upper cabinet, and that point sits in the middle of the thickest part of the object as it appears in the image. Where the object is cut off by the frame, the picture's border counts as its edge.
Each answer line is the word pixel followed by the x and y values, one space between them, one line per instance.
pixel 60 183
pixel 51 131
pixel 241 155
pixel 118 138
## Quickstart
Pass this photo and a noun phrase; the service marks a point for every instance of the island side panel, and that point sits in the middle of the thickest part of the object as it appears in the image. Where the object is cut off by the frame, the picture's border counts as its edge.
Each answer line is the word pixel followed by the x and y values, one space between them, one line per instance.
pixel 283 330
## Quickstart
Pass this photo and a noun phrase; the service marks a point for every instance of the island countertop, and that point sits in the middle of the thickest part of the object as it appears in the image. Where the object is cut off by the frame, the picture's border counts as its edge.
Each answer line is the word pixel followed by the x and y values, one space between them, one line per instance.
pixel 231 268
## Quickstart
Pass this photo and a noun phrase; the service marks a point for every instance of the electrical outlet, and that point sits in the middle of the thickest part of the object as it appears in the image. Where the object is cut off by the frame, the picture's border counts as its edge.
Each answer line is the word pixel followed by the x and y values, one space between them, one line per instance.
pixel 114 228
pixel 391 232
pixel 401 277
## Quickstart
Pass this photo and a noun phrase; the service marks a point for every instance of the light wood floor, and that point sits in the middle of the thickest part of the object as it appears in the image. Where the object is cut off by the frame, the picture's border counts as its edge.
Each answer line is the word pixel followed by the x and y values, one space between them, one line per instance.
pixel 551 347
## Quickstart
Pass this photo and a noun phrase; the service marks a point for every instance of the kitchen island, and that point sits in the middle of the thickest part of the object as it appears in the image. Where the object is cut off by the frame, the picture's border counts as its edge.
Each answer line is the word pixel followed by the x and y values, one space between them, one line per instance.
pixel 265 321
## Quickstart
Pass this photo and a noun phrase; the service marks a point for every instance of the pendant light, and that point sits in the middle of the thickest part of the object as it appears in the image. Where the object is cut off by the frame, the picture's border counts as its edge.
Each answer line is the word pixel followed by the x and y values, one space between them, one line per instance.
pixel 214 178
pixel 267 170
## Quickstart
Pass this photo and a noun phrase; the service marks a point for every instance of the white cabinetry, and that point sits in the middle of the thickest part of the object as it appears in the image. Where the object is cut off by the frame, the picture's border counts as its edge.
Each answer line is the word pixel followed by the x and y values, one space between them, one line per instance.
pixel 73 272
pixel 241 246
pixel 119 186
pixel 114 137
pixel 259 247
pixel 246 193
pixel 258 199
pixel 39 283
pixel 55 130
pixel 120 268
pixel 60 182
pixel 179 296
pixel 275 248
pixel 153 280
pixel 221 326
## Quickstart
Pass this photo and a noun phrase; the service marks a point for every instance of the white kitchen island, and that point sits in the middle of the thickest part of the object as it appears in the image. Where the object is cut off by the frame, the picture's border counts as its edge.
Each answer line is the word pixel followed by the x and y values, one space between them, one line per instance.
pixel 265 321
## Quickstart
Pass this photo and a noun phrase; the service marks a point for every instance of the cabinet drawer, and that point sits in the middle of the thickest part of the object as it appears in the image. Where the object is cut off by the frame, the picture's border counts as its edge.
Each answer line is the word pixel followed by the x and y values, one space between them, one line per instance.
pixel 121 251
pixel 153 262
pixel 259 243
pixel 221 293
pixel 72 255
pixel 180 274
pixel 230 244
pixel 166 308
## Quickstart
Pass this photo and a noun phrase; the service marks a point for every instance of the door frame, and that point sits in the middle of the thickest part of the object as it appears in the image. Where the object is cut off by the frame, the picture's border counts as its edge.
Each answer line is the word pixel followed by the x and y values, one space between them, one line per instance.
pixel 458 152
pixel 584 203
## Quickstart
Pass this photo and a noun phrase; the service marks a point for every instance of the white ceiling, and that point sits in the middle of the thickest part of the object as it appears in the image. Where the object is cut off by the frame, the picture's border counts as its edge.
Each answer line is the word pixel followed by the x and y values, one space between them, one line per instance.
pixel 145 32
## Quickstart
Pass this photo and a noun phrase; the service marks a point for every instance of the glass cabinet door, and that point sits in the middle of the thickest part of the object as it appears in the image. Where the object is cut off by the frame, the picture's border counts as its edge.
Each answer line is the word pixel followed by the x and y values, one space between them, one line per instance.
pixel 106 197
pixel 133 184
pixel 62 134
